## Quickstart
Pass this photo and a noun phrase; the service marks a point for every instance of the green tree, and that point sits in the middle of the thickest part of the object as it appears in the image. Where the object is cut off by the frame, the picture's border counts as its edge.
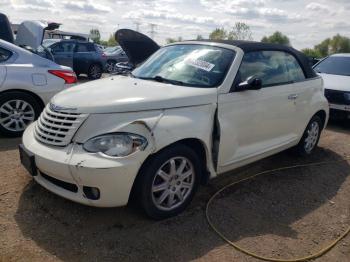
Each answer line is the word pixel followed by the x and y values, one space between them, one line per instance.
pixel 311 52
pixel 95 35
pixel 218 34
pixel 276 38
pixel 173 40
pixel 240 31
pixel 199 37
pixel 340 44
pixel 337 44
pixel 323 48
pixel 111 41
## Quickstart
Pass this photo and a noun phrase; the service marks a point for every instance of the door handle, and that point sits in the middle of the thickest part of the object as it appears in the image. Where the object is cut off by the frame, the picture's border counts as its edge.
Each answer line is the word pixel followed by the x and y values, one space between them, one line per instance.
pixel 293 97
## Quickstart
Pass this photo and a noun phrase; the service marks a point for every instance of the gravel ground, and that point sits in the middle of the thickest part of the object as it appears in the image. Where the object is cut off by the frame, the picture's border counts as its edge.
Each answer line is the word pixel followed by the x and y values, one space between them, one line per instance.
pixel 284 215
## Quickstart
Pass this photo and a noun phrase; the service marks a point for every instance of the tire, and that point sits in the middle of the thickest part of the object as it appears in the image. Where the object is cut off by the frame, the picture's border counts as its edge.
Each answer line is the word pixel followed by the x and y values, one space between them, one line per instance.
pixel 110 66
pixel 150 181
pixel 17 111
pixel 310 138
pixel 95 72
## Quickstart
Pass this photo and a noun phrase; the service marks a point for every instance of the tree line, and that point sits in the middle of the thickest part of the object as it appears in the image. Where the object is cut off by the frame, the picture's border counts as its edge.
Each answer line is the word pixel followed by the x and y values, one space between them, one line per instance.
pixel 242 31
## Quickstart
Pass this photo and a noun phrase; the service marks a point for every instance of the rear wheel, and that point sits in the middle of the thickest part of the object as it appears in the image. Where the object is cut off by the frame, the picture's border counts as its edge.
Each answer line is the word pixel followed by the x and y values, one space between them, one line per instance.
pixel 95 72
pixel 310 137
pixel 17 111
pixel 169 181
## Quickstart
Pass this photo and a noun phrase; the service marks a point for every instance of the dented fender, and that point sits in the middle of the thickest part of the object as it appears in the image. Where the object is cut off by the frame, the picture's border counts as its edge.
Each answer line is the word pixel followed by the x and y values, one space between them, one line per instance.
pixel 161 128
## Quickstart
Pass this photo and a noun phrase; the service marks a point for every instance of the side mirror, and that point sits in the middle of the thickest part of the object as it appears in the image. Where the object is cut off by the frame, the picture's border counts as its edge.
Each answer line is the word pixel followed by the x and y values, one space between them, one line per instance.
pixel 252 83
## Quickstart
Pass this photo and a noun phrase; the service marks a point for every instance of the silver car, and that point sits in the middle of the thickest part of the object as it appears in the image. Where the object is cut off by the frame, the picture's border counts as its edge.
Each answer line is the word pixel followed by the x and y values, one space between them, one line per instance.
pixel 27 83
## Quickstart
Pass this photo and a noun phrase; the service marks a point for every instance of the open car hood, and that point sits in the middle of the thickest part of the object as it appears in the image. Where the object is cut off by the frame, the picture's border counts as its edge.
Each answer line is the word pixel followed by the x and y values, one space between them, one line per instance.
pixel 138 47
pixel 5 29
pixel 31 33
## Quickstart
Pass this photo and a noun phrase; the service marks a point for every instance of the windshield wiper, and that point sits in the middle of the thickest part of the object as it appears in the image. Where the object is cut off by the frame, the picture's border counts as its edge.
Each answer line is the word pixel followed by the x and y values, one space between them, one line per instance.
pixel 163 80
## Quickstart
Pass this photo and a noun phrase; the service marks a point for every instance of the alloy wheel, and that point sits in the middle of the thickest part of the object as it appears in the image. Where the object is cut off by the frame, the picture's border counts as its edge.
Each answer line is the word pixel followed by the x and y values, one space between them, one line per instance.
pixel 312 137
pixel 110 66
pixel 173 183
pixel 95 72
pixel 16 115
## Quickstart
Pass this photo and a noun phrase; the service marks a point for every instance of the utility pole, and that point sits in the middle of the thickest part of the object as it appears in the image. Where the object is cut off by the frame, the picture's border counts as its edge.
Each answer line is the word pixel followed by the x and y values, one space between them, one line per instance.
pixel 137 25
pixel 153 31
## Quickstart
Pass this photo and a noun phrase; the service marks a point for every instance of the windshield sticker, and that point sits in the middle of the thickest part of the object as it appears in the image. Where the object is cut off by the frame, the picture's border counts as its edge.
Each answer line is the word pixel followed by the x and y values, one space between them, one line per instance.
pixel 204 65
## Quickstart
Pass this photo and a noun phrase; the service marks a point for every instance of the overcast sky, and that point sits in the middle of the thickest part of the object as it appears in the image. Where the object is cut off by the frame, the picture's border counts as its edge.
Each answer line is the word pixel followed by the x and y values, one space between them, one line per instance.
pixel 305 22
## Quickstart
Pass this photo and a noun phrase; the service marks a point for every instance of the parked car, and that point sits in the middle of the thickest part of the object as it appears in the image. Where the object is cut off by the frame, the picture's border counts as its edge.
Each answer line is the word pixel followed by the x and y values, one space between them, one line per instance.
pixel 190 112
pixel 83 57
pixel 27 83
pixel 335 71
pixel 114 57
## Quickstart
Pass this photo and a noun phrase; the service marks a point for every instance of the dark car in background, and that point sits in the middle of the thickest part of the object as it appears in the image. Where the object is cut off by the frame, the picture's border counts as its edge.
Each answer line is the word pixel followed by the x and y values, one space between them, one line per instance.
pixel 83 57
pixel 114 56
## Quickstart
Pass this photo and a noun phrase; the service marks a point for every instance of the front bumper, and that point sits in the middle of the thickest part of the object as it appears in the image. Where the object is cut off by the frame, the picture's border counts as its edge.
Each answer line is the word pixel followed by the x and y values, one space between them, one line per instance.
pixel 72 165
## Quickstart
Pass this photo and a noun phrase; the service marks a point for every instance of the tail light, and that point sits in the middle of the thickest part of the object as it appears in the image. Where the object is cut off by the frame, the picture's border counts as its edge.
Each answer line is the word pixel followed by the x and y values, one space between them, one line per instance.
pixel 68 76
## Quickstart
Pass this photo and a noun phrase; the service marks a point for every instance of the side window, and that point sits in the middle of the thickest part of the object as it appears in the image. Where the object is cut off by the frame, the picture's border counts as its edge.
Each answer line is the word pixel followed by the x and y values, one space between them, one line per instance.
pixel 63 48
pixel 296 73
pixel 82 48
pixel 272 67
pixel 91 47
pixel 4 54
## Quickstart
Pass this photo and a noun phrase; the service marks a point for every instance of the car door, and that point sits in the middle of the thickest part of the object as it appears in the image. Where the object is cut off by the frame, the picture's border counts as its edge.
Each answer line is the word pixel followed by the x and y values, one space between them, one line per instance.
pixel 83 56
pixel 63 53
pixel 256 122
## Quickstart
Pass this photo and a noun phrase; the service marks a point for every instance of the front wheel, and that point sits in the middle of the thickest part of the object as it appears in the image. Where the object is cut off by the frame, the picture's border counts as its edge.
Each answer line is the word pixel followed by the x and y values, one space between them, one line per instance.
pixel 169 181
pixel 310 137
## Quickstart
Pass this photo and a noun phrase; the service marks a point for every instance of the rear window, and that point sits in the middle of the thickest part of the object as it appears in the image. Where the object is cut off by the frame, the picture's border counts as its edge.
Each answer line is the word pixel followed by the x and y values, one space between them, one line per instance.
pixel 335 65
pixel 4 54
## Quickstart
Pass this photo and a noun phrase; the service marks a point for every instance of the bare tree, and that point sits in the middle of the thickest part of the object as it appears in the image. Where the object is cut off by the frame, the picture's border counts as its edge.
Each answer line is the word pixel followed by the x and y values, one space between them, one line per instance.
pixel 240 31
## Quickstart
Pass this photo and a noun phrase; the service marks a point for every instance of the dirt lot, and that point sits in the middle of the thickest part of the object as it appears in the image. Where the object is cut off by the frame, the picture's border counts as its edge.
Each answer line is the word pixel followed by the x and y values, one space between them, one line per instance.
pixel 287 214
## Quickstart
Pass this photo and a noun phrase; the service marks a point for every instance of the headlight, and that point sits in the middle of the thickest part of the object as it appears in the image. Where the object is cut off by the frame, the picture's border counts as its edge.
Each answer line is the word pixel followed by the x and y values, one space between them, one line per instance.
pixel 117 144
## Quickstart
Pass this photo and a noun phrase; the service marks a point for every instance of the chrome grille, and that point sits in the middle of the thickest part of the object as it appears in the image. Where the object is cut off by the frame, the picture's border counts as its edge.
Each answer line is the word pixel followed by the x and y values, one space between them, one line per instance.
pixel 57 128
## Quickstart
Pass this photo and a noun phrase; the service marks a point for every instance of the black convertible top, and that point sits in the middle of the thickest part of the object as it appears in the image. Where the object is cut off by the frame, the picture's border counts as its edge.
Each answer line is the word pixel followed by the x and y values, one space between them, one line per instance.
pixel 250 46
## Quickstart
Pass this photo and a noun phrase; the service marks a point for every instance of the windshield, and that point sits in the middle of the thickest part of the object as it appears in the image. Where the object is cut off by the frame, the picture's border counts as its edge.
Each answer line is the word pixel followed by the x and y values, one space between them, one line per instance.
pixel 190 65
pixel 335 65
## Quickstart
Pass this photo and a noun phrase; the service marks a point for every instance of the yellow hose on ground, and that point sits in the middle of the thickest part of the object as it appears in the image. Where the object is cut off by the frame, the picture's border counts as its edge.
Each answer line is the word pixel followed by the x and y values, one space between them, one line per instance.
pixel 252 254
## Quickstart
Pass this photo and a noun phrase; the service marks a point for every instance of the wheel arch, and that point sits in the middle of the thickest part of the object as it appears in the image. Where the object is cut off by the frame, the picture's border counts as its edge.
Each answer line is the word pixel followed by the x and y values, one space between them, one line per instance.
pixel 35 96
pixel 195 144
pixel 323 115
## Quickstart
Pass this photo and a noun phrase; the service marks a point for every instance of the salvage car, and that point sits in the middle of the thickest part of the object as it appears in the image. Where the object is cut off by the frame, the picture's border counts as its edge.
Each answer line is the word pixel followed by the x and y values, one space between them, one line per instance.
pixel 190 112
pixel 335 71
pixel 27 82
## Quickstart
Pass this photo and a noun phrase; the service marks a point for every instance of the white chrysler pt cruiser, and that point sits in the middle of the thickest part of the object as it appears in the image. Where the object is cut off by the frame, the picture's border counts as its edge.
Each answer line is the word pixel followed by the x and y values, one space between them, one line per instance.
pixel 191 111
